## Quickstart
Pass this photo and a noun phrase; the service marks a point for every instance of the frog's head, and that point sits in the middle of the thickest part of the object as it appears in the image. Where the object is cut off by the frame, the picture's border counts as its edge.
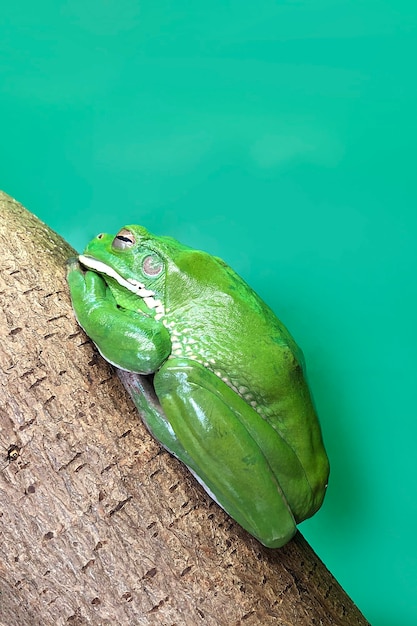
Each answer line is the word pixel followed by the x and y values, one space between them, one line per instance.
pixel 144 271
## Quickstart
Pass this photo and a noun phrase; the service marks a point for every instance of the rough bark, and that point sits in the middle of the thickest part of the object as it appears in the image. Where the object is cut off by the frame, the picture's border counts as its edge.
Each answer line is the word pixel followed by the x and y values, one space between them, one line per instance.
pixel 99 525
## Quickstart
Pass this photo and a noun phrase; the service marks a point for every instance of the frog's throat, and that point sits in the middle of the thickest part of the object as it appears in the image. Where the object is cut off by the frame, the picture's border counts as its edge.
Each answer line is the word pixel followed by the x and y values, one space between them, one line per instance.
pixel 139 289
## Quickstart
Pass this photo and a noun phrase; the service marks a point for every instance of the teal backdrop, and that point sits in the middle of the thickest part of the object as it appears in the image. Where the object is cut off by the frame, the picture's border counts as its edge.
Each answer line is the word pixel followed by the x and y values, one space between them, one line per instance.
pixel 281 136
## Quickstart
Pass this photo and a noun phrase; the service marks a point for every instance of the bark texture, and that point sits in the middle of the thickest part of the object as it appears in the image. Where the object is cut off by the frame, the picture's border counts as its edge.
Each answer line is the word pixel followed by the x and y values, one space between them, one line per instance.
pixel 98 525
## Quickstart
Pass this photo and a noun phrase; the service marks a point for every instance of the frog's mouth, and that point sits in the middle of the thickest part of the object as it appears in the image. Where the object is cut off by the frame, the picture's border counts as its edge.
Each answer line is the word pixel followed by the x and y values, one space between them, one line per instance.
pixel 136 287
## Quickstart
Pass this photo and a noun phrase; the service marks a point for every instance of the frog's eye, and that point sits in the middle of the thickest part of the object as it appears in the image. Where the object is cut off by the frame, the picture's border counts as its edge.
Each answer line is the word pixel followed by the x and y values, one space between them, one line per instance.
pixel 152 265
pixel 124 239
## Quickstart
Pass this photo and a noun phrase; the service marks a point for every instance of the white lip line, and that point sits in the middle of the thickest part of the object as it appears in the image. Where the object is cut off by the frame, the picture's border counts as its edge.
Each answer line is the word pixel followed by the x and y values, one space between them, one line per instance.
pixel 131 285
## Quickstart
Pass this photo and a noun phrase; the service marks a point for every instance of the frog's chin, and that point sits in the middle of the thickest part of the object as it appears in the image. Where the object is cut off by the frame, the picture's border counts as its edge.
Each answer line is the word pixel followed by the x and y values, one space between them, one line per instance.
pixel 130 284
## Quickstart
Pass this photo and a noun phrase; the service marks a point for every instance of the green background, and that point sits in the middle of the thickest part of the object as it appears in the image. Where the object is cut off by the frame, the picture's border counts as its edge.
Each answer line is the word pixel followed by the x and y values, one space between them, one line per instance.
pixel 282 137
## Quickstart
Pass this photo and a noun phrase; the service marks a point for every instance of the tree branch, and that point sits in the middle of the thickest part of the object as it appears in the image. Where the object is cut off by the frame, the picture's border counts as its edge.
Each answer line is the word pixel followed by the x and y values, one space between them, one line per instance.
pixel 98 524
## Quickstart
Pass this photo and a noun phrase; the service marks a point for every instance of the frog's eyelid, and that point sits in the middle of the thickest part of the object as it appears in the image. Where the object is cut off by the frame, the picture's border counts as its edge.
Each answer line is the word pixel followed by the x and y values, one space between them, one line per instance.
pixel 122 238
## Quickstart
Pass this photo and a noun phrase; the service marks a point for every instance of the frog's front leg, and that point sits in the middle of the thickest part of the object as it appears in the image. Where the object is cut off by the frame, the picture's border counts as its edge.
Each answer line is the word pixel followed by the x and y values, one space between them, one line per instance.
pixel 216 428
pixel 128 339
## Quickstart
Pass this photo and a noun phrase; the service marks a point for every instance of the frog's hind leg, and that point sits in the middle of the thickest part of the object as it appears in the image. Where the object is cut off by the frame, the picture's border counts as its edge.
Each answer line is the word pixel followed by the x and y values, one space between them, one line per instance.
pixel 209 422
pixel 142 392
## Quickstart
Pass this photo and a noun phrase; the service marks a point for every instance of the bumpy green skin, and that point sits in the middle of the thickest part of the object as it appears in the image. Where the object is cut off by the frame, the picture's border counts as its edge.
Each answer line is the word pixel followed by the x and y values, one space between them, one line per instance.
pixel 229 395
